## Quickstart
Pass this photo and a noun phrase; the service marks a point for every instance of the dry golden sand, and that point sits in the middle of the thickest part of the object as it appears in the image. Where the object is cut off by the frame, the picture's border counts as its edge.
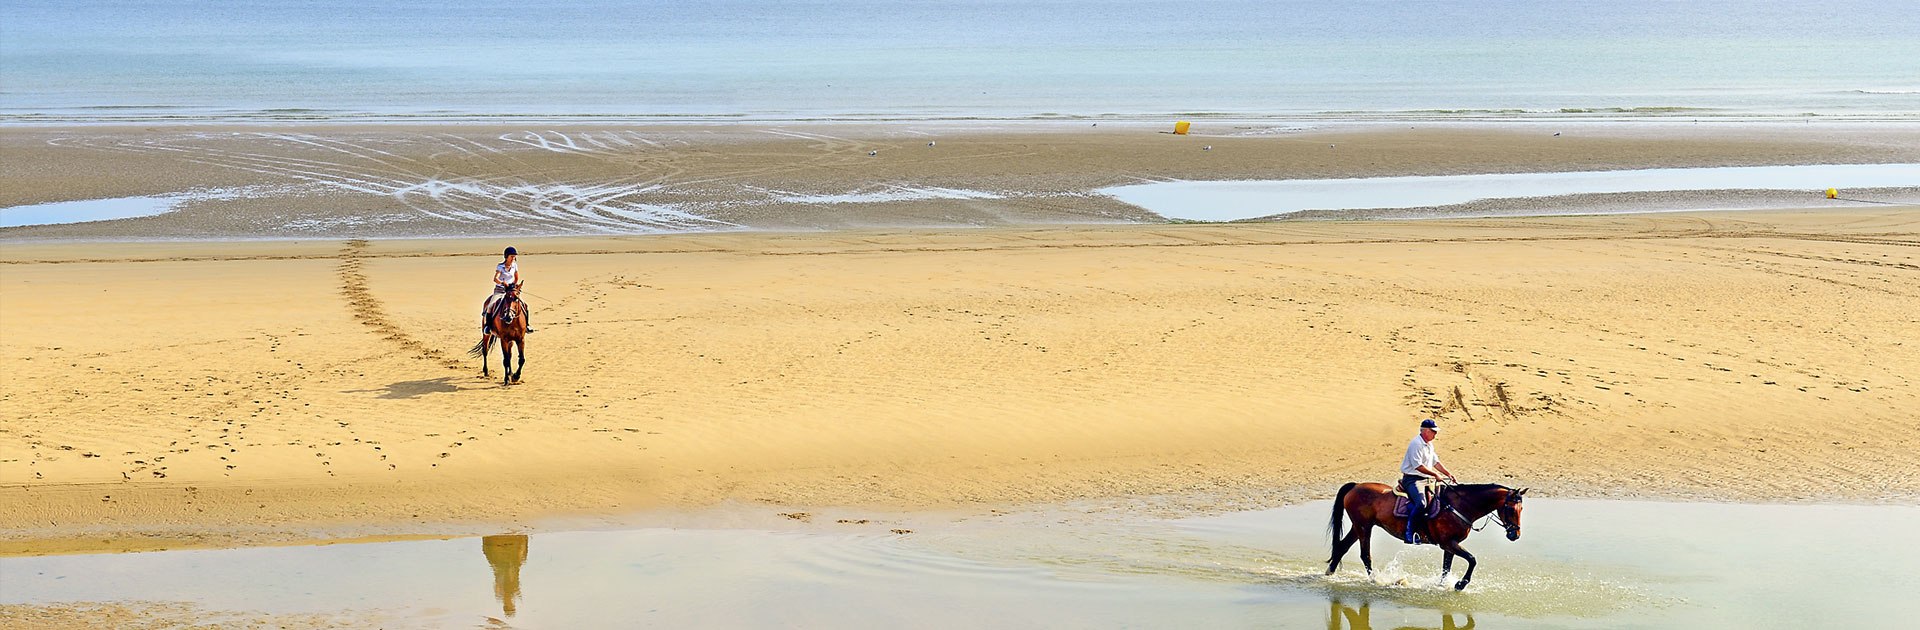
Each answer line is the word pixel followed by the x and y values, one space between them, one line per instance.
pixel 178 394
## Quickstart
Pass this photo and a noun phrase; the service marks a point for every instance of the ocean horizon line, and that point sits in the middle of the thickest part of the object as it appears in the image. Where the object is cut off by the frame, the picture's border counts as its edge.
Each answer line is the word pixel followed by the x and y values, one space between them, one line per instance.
pixel 189 114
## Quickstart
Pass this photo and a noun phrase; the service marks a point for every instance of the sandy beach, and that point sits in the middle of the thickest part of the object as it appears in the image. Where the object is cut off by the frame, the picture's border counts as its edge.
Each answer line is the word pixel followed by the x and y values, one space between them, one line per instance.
pixel 179 393
pixel 868 314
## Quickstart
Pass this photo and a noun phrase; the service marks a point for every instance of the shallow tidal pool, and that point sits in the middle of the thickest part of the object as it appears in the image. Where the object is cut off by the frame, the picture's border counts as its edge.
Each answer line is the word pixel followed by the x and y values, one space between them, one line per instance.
pixel 1578 564
pixel 1239 200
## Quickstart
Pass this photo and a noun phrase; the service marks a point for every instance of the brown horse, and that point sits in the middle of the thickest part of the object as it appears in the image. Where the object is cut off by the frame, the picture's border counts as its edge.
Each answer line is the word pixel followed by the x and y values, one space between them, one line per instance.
pixel 508 323
pixel 1371 504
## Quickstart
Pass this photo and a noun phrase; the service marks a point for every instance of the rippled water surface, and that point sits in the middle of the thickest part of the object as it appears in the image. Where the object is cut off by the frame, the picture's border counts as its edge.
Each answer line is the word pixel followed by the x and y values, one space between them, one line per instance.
pixel 1579 564
pixel 187 60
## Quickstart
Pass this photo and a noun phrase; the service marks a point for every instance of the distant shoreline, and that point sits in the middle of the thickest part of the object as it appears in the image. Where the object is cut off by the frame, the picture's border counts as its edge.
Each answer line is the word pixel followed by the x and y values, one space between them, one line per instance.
pixel 162 115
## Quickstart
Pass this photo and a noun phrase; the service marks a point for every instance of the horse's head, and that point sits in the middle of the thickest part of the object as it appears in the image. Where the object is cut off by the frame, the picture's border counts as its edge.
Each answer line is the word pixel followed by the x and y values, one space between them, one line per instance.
pixel 513 290
pixel 1510 512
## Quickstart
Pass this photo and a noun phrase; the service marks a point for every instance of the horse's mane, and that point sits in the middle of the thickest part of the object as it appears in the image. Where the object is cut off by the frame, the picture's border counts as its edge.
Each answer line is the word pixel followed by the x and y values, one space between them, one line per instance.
pixel 1480 487
pixel 1477 489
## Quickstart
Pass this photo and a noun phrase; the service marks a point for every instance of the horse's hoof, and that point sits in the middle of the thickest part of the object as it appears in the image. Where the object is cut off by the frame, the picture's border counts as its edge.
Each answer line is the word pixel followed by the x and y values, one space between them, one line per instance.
pixel 1460 585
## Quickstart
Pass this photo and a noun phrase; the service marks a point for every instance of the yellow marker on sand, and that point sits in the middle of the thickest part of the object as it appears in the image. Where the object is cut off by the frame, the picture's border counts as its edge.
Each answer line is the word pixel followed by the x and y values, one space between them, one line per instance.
pixel 1833 193
pixel 1180 128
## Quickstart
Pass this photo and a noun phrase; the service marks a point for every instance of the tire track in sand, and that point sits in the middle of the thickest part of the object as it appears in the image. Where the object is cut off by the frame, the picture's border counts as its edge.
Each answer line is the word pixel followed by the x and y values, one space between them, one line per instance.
pixel 353 287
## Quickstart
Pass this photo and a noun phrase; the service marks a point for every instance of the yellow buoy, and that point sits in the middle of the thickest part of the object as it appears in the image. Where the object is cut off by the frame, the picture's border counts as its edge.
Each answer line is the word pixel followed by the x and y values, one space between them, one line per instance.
pixel 1181 127
pixel 1833 193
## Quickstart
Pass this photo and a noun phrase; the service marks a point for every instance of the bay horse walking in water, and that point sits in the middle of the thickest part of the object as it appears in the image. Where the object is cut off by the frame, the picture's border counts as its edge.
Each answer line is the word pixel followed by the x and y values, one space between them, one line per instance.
pixel 1371 504
pixel 508 323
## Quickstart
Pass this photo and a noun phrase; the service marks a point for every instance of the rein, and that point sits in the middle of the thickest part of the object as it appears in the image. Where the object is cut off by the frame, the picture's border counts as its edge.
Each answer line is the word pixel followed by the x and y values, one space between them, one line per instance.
pixel 1490 518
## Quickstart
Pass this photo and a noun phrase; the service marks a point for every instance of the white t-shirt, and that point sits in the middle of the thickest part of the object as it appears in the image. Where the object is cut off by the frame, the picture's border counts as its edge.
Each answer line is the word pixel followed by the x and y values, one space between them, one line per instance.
pixel 504 273
pixel 1419 453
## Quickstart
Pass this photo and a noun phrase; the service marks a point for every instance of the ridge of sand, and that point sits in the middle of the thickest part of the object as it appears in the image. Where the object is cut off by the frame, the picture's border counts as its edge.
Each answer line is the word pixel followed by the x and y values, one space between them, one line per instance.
pixel 180 394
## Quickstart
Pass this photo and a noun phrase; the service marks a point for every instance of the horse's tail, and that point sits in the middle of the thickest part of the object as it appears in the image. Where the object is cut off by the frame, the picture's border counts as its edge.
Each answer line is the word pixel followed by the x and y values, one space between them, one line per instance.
pixel 1339 508
pixel 479 349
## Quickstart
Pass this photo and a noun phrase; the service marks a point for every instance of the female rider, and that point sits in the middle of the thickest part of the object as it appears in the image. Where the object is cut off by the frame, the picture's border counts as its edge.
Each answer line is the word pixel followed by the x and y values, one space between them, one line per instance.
pixel 505 275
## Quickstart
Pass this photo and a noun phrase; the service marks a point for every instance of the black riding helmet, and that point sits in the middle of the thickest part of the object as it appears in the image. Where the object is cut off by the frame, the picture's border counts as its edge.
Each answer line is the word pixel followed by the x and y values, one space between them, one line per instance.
pixel 511 252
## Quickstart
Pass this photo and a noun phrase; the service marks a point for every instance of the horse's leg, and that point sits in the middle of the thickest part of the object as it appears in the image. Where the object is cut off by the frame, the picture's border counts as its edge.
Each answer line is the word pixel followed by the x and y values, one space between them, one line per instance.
pixel 1453 547
pixel 506 361
pixel 522 365
pixel 1446 566
pixel 1341 545
pixel 486 343
pixel 1366 545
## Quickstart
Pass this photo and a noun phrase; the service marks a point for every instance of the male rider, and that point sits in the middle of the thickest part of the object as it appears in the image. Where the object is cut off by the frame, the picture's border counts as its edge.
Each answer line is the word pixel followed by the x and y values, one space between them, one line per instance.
pixel 1420 463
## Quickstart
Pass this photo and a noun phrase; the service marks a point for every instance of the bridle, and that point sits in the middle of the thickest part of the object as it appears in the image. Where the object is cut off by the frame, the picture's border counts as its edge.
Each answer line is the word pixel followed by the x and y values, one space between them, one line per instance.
pixel 1513 498
pixel 505 307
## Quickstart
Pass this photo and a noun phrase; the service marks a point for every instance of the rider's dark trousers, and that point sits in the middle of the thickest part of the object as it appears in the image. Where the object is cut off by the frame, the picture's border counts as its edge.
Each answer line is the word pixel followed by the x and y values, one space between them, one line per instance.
pixel 1416 500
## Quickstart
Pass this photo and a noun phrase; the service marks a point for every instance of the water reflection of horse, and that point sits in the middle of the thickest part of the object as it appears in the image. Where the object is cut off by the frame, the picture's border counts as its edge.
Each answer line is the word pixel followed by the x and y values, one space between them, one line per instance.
pixel 1371 504
pixel 508 323
pixel 505 554
pixel 1362 618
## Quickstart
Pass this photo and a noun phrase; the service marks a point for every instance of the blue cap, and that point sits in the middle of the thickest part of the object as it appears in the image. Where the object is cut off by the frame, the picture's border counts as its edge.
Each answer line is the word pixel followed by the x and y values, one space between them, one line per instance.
pixel 512 251
pixel 1429 424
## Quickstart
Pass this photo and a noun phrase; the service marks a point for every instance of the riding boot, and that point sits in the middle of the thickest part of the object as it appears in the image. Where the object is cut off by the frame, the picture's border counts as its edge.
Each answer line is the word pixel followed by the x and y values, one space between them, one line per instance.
pixel 1414 523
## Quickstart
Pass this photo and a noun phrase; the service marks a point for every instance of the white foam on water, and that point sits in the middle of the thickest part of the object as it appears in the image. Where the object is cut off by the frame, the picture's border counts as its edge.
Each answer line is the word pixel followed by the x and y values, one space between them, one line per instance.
pixel 330 223
pixel 1236 200
pixel 888 194
pixel 601 207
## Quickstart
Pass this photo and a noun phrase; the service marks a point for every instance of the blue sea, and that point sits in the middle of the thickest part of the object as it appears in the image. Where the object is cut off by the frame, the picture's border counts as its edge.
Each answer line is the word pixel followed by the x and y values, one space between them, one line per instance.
pixel 160 60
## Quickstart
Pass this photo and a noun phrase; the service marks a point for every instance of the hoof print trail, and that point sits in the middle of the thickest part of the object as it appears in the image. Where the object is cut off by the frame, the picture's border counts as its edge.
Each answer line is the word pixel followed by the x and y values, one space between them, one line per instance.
pixel 353 287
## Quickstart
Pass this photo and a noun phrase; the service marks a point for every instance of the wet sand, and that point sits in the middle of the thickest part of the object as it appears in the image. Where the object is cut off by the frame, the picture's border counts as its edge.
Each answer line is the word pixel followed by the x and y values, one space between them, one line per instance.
pixel 176 394
pixel 345 181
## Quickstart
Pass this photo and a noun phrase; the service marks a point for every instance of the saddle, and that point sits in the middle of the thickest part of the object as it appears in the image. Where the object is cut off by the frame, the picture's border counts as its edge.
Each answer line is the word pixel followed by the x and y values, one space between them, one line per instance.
pixel 1403 508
